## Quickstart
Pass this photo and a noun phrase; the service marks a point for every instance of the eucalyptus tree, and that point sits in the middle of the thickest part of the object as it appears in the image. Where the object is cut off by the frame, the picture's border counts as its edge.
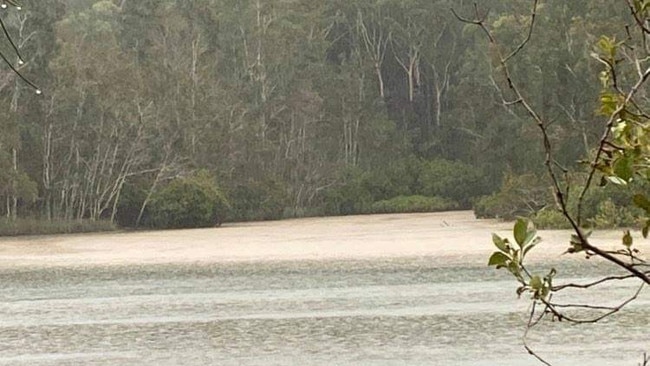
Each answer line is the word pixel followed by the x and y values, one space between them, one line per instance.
pixel 407 29
pixel 375 37
pixel 104 118
pixel 284 96
pixel 23 55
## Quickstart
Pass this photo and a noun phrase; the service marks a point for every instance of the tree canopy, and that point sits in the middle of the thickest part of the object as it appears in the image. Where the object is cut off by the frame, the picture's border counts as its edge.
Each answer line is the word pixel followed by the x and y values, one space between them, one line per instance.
pixel 294 107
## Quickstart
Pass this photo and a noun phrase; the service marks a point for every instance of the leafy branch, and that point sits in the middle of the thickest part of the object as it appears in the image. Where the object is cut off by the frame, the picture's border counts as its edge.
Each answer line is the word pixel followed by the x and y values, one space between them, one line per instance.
pixel 621 157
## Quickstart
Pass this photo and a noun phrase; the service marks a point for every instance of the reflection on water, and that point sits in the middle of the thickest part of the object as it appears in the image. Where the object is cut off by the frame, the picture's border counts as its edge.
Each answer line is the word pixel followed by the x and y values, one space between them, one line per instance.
pixel 380 312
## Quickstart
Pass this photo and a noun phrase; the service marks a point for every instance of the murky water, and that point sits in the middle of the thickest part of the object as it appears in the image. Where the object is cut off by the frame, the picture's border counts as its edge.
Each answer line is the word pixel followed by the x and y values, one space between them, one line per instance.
pixel 417 311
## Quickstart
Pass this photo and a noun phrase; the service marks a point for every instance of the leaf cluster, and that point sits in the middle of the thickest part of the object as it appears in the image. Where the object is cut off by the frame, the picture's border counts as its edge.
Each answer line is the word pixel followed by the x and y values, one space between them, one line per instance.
pixel 511 256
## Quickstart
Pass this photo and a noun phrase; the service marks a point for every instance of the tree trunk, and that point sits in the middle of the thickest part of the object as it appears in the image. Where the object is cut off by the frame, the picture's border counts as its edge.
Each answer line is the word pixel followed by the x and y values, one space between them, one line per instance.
pixel 14 185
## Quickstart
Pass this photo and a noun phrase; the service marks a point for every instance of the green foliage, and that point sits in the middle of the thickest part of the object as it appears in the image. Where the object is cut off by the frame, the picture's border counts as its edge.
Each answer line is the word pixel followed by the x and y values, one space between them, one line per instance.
pixel 258 200
pixel 602 207
pixel 453 180
pixel 413 204
pixel 619 157
pixel 626 165
pixel 133 195
pixel 350 197
pixel 551 218
pixel 398 178
pixel 610 216
pixel 423 183
pixel 520 195
pixel 324 120
pixel 189 202
pixel 511 256
pixel 15 182
pixel 643 203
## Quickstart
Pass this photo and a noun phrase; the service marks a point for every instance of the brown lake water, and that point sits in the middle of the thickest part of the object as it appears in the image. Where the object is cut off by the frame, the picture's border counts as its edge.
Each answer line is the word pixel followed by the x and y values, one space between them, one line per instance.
pixel 420 304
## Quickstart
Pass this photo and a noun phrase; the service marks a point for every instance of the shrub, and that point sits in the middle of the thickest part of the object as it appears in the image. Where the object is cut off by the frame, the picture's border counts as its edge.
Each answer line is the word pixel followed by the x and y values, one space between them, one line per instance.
pixel 454 180
pixel 403 204
pixel 526 196
pixel 132 196
pixel 521 195
pixel 351 196
pixel 611 216
pixel 549 218
pixel 618 196
pixel 258 200
pixel 193 201
pixel 397 178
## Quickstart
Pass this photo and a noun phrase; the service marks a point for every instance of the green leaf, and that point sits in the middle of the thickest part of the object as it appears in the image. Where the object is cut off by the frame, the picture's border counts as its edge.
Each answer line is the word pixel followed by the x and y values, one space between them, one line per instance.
pixel 616 180
pixel 609 47
pixel 521 231
pixel 608 103
pixel 619 131
pixel 498 259
pixel 536 283
pixel 545 291
pixel 576 245
pixel 642 202
pixel 513 267
pixel 529 247
pixel 501 244
pixel 530 237
pixel 624 169
pixel 604 77
pixel 516 259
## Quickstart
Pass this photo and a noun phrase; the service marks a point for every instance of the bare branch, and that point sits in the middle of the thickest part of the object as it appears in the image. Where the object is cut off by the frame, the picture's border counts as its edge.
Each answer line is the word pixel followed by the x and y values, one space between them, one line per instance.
pixel 529 35
pixel 640 22
pixel 595 283
pixel 478 20
pixel 646 360
pixel 553 308
pixel 532 322
pixel 10 64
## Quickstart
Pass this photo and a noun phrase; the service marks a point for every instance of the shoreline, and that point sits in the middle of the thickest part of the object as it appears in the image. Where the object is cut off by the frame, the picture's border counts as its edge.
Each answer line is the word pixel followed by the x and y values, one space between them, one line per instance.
pixel 452 237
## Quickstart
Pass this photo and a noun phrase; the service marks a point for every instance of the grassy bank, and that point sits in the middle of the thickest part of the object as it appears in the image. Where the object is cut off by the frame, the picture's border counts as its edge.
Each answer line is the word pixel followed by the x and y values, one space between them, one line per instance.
pixel 21 227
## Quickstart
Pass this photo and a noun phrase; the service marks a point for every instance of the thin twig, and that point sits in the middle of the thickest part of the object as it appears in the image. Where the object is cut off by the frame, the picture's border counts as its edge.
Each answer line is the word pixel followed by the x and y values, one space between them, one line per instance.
pixel 479 21
pixel 595 283
pixel 639 21
pixel 584 306
pixel 11 41
pixel 646 360
pixel 529 35
pixel 532 323
pixel 9 63
pixel 553 308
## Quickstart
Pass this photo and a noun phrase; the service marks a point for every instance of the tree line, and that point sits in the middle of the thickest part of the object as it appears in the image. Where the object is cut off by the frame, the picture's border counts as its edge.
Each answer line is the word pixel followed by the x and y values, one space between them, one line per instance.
pixel 284 108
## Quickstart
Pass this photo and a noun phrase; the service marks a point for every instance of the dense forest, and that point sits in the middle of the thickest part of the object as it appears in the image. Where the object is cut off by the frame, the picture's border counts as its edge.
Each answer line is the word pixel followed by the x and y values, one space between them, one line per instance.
pixel 174 113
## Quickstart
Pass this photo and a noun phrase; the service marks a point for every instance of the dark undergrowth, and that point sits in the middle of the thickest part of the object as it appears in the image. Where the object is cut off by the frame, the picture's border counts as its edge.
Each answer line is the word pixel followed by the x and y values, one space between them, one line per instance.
pixel 23 227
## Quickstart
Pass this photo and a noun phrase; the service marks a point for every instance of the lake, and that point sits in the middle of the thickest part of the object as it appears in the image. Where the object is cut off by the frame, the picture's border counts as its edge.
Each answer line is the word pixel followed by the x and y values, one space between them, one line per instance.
pixel 365 290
